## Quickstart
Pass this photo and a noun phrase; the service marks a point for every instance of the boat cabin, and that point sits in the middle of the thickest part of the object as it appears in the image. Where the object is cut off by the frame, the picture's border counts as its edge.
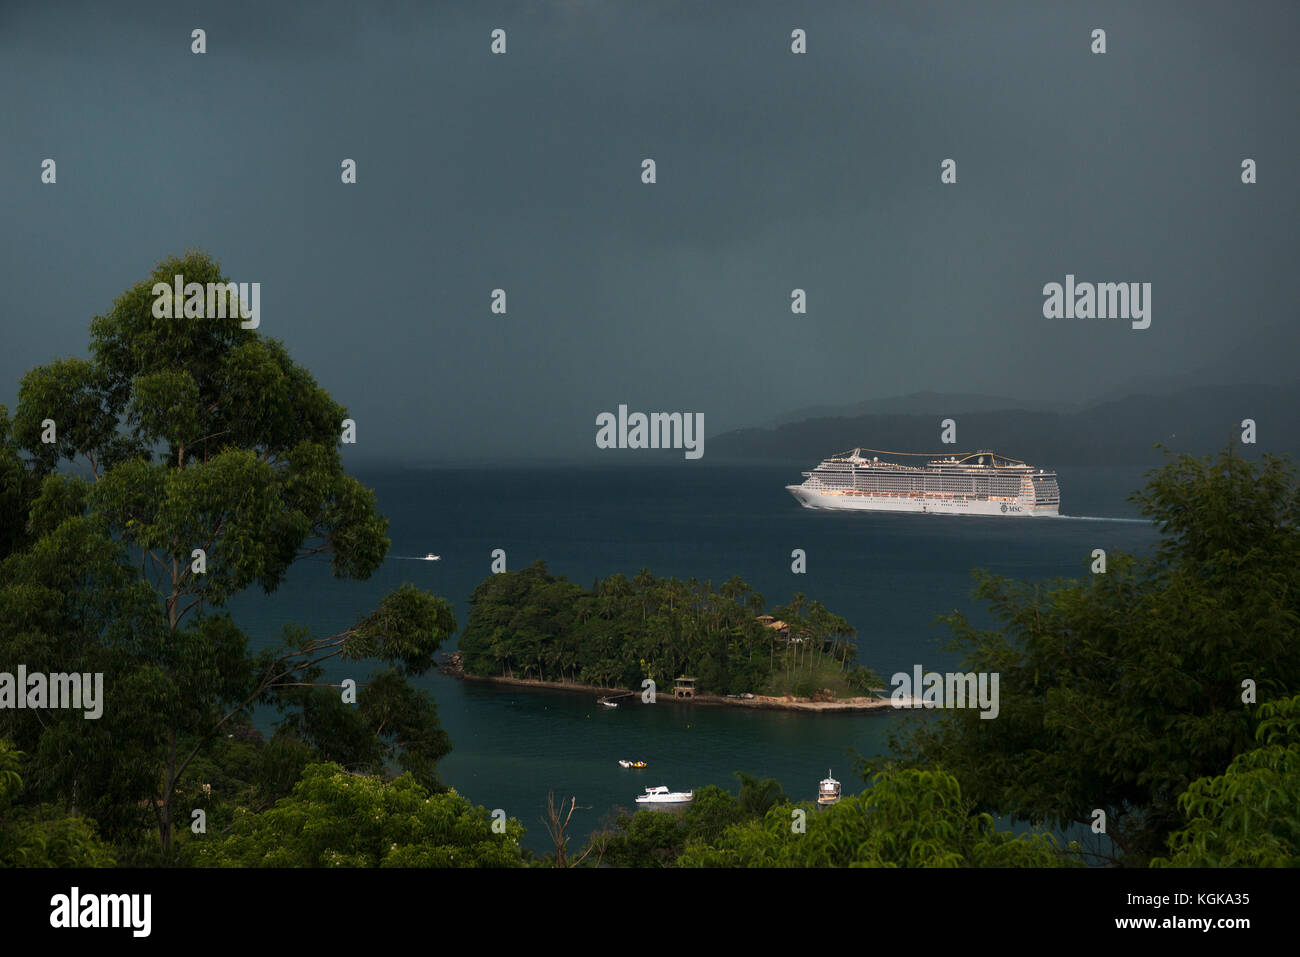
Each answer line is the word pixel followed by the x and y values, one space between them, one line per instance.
pixel 828 791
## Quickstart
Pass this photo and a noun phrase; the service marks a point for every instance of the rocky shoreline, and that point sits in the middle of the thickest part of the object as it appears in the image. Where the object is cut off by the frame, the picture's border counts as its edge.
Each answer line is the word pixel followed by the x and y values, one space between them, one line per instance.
pixel 452 665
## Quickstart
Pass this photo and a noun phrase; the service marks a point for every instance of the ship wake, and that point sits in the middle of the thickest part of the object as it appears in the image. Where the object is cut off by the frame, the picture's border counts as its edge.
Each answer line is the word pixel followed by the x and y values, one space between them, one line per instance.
pixel 1104 518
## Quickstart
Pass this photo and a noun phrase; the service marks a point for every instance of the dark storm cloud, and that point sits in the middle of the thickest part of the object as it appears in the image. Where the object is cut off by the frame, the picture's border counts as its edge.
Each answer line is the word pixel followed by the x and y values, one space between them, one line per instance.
pixel 775 171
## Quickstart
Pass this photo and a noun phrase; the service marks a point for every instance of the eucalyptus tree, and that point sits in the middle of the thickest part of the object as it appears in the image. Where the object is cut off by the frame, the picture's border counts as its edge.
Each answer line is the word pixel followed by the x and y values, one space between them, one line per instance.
pixel 212 464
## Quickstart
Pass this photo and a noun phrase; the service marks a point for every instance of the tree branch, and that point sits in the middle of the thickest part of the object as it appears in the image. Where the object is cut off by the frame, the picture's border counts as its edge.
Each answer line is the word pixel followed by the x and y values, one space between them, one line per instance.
pixel 262 688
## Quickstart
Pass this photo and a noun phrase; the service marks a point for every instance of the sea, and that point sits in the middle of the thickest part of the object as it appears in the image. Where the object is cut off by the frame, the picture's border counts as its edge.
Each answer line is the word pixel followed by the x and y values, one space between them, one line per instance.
pixel 890 576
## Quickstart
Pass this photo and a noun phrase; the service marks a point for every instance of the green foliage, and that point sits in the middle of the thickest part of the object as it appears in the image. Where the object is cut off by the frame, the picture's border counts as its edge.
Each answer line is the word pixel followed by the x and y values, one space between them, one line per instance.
pixel 197 434
pixel 42 836
pixel 18 486
pixel 336 819
pixel 655 838
pixel 394 723
pixel 643 839
pixel 757 797
pixel 1118 692
pixel 908 818
pixel 711 811
pixel 531 624
pixel 1249 816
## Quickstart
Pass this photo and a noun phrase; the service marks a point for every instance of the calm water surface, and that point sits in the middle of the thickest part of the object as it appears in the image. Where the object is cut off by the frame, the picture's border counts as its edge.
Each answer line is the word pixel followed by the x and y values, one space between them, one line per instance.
pixel 889 575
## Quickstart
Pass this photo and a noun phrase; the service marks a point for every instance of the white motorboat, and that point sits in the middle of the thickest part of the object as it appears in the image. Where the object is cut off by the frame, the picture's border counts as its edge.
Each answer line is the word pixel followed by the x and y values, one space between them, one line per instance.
pixel 828 791
pixel 631 764
pixel 661 795
pixel 431 557
pixel 607 703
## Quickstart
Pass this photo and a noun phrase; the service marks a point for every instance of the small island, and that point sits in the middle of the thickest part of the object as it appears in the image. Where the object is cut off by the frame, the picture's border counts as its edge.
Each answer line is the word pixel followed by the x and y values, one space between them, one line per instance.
pixel 534 629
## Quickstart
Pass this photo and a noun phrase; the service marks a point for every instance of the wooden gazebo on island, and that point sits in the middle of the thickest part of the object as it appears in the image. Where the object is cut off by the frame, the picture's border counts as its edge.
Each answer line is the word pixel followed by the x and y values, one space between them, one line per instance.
pixel 684 687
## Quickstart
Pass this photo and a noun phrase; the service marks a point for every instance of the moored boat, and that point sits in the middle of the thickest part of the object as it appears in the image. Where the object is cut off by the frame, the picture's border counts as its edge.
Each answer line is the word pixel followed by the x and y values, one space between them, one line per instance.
pixel 828 791
pixel 661 795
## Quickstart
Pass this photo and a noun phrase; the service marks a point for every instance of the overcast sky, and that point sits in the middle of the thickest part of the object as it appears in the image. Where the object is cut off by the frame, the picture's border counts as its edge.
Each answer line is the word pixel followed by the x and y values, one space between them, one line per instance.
pixel 818 171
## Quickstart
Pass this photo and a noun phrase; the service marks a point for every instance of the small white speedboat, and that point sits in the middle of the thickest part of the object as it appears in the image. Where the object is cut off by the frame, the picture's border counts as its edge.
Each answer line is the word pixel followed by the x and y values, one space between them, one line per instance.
pixel 607 703
pixel 431 557
pixel 661 795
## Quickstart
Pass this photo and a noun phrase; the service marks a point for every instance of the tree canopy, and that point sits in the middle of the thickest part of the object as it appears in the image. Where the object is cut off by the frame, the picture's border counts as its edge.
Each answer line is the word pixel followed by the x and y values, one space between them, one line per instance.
pixel 1119 691
pixel 336 819
pixel 211 464
pixel 43 835
pixel 1249 816
pixel 907 818
pixel 532 624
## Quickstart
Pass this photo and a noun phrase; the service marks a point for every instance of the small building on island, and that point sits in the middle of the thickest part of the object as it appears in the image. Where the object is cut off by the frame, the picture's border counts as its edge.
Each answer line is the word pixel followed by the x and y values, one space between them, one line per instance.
pixel 684 687
pixel 782 629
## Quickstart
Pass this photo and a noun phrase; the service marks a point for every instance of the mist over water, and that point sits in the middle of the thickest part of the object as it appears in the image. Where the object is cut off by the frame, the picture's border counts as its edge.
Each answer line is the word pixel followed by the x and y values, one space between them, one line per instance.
pixel 889 575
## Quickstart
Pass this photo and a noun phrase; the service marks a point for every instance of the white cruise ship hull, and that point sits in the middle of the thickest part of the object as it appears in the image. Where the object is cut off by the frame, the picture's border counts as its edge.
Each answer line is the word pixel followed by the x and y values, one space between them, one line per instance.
pixel 928 504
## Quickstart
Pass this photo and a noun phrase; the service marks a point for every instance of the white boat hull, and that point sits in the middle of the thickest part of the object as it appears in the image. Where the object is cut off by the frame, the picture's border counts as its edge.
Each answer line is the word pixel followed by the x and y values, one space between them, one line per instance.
pixel 930 505
pixel 661 795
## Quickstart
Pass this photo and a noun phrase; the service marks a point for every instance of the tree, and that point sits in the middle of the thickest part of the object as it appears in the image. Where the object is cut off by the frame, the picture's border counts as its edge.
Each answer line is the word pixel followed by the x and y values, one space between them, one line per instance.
pixel 541 625
pixel 1120 691
pixel 757 797
pixel 557 824
pixel 644 839
pixel 908 818
pixel 18 486
pixel 42 836
pixel 213 466
pixel 1249 816
pixel 336 819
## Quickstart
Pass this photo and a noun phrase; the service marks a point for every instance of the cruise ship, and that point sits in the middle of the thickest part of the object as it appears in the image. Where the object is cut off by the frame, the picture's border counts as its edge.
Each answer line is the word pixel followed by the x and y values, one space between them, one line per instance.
pixel 974 483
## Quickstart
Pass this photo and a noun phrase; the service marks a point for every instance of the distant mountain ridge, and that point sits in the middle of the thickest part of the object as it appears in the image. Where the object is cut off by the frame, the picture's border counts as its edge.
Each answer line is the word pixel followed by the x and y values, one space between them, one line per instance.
pixel 921 403
pixel 1121 431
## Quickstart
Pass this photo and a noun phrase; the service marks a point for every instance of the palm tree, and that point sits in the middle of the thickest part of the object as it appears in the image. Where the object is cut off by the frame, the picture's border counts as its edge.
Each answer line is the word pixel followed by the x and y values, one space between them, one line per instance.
pixel 643 582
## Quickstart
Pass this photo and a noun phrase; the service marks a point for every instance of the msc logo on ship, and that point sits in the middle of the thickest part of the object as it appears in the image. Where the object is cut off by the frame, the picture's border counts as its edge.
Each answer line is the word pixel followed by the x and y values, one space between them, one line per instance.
pixel 1010 508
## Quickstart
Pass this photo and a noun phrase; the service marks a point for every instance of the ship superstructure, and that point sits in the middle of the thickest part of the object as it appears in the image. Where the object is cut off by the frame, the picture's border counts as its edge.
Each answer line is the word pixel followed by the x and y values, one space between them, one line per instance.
pixel 972 483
